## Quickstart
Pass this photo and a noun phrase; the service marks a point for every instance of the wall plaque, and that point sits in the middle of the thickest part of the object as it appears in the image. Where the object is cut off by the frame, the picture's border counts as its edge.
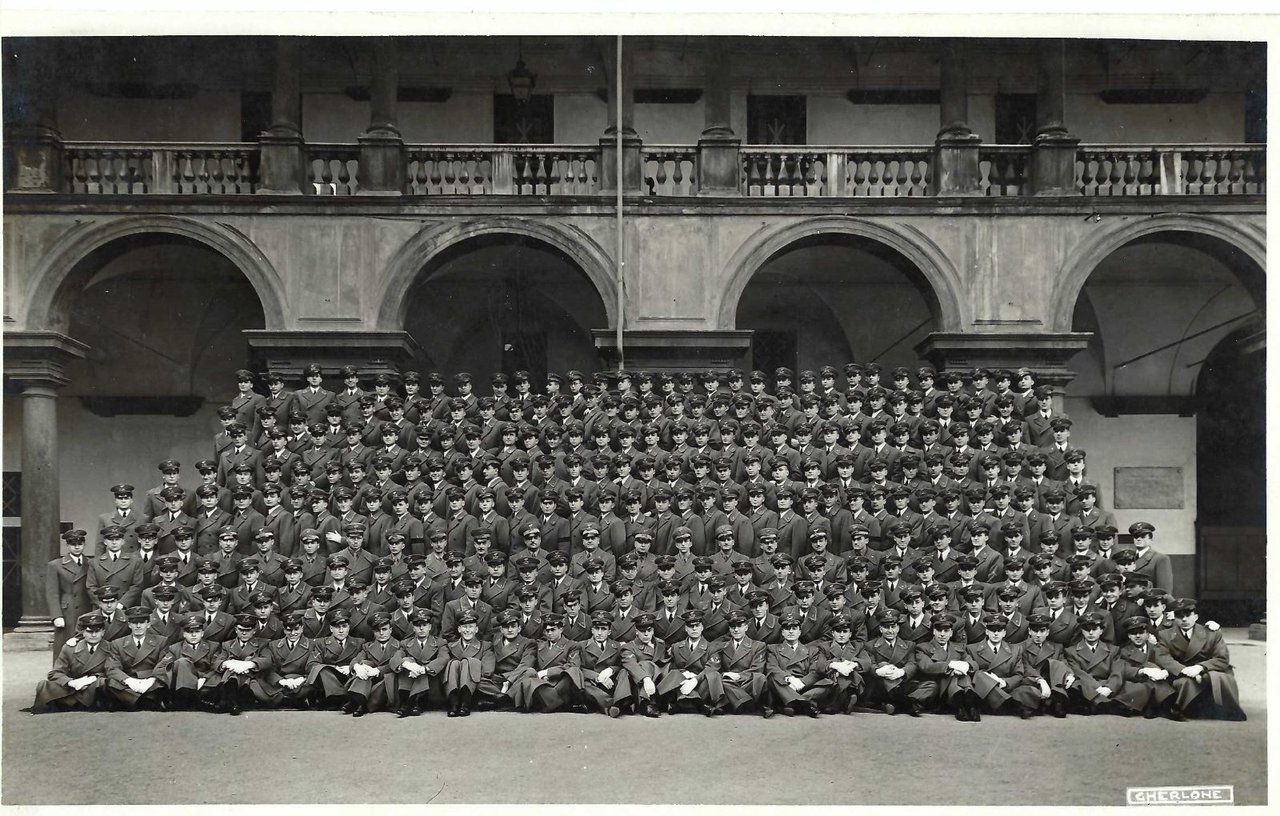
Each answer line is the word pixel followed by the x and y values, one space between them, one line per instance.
pixel 1149 488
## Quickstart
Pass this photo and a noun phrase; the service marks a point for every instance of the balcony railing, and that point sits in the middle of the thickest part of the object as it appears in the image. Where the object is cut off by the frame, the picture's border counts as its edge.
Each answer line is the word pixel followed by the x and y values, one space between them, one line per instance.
pixel 1155 170
pixel 1127 170
pixel 107 168
pixel 836 171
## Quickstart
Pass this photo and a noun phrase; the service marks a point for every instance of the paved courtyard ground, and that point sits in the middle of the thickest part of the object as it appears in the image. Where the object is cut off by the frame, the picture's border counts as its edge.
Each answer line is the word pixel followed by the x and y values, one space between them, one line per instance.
pixel 310 757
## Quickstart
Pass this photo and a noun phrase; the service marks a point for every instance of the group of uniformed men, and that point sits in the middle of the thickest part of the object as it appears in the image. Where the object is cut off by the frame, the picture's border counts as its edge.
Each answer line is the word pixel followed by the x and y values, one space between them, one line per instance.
pixel 904 548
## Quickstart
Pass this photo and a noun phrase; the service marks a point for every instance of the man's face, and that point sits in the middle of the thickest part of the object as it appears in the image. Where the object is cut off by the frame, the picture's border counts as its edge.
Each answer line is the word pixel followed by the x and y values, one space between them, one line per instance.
pixel 472 591
pixel 468 631
pixel 1091 633
pixel 996 635
pixel 599 632
pixel 1038 634
pixel 510 630
pixel 191 636
pixel 139 628
pixel 553 632
pixel 942 635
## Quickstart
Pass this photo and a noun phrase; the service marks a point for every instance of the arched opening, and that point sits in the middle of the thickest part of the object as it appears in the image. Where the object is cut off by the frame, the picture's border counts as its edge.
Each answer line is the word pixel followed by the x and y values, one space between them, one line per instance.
pixel 830 298
pixel 1154 419
pixel 163 317
pixel 1231 499
pixel 504 302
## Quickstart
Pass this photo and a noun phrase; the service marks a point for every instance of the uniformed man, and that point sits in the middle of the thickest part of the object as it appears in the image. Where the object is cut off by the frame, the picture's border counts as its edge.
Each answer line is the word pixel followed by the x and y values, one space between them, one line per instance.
pixel 66 588
pixel 79 671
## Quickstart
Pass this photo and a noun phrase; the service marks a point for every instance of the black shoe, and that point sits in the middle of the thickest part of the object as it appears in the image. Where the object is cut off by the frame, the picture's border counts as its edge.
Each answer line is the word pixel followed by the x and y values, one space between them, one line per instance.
pixel 788 711
pixel 233 708
pixel 1026 712
pixel 811 710
pixel 766 712
pixel 415 710
pixel 890 709
pixel 962 713
pixel 403 712
pixel 974 714
pixel 1176 715
pixel 651 710
pixel 360 711
pixel 1057 709
pixel 913 709
pixel 349 707
pixel 1151 713
pixel 614 712
pixel 465 711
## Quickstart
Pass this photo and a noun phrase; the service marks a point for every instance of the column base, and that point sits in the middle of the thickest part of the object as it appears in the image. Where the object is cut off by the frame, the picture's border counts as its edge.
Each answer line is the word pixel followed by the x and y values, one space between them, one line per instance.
pixel 674 349
pixel 382 164
pixel 719 164
pixel 1044 353
pixel 1053 165
pixel 37 163
pixel 632 169
pixel 1258 631
pixel 957 171
pixel 372 352
pixel 33 633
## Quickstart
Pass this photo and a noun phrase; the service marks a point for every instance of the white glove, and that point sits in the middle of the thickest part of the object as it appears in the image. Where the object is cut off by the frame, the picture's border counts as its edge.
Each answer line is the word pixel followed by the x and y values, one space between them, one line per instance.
pixel 72 641
pixel 1103 691
pixel 886 671
pixel 959 666
pixel 688 675
pixel 200 681
pixel 795 683
pixel 542 675
pixel 1193 671
pixel 334 536
pixel 1044 689
pixel 1212 626
pixel 605 677
pixel 292 682
pixel 1069 681
pixel 506 686
pixel 999 682
pixel 345 671
pixel 688 686
pixel 140 685
pixel 78 683
pixel 1152 639
pixel 732 676
pixel 361 671
pixel 58 623
pixel 649 688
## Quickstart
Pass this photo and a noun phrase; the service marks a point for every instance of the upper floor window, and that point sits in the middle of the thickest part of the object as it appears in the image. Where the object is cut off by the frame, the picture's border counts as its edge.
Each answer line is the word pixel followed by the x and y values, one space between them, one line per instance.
pixel 776 120
pixel 531 122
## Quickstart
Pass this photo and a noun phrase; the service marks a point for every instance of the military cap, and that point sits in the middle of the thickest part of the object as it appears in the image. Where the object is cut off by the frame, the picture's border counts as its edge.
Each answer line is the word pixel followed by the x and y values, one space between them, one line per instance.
pixel 1183 606
pixel 1080 587
pixel 336 561
pixel 789 620
pixel 912 593
pixel 971 593
pixel 994 620
pixel 1090 620
pixel 165 563
pixel 1110 579
pixel 1155 595
pixel 691 616
pixel 1141 528
pixel 246 621
pixel 1135 623
pixel 1038 620
pixel 669 587
pixel 164 593
pixel 1054 588
pixel 212 592
pixel 1040 561
pixel 888 617
pixel 193 623
pixel 942 620
pixel 472 578
pixel 135 614
pixel 1009 592
pixel 645 620
pixel 1125 556
pixel 107 593
pixel 935 592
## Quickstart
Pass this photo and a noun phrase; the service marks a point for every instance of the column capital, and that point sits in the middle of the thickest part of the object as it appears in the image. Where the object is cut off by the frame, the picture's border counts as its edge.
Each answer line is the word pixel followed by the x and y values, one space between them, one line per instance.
pixel 289 352
pixel 39 358
pixel 1045 353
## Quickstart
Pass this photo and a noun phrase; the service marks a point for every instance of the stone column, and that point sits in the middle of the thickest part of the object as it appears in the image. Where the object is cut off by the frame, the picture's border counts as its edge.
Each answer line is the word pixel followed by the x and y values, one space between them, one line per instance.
pixel 35 364
pixel 718 157
pixel 1053 154
pixel 382 163
pixel 33 139
pixel 957 171
pixel 283 169
pixel 631 166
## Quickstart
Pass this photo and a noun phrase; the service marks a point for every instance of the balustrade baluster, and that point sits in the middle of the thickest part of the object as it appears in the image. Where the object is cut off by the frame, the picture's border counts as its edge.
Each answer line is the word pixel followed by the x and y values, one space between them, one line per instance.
pixel 1220 172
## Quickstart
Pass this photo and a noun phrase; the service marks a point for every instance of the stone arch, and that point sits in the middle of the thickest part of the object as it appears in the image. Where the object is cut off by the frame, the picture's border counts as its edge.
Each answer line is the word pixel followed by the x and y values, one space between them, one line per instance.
pixel 405 267
pixel 61 275
pixel 933 264
pixel 1085 257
